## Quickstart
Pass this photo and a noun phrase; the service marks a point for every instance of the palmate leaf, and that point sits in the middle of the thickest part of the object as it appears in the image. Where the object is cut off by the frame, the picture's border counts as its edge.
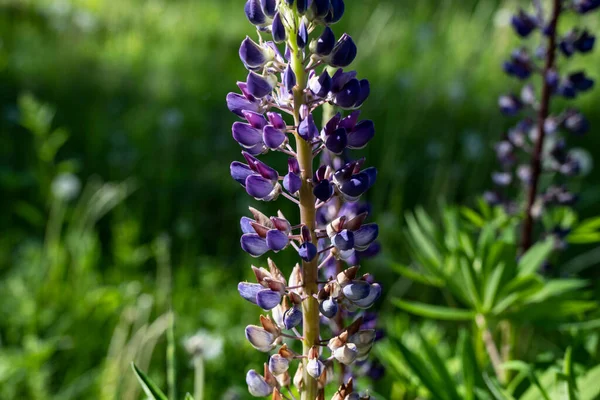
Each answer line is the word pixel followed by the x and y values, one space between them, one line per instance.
pixel 533 259
pixel 148 385
pixel 423 371
pixel 435 312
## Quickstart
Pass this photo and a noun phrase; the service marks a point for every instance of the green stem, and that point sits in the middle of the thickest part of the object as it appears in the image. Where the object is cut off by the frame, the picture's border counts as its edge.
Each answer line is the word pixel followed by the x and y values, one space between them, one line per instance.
pixel 198 377
pixel 310 306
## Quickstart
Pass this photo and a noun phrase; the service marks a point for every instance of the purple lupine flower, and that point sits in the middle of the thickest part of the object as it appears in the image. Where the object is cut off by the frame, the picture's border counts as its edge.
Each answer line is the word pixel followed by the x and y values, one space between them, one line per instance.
pixel 297 83
pixel 536 145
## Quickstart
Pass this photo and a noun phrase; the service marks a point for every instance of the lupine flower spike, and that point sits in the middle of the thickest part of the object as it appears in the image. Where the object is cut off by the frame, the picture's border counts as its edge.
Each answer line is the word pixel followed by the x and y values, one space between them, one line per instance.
pixel 535 147
pixel 295 65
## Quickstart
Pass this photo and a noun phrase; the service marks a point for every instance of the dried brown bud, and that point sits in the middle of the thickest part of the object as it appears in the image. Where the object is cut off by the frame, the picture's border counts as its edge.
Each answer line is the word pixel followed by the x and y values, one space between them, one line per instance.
pixel 356 222
pixel 347 275
pixel 269 326
pixel 260 217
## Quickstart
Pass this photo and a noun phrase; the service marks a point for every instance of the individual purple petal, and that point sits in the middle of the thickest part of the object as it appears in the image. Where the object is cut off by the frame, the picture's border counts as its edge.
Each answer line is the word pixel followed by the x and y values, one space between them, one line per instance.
pixel 302 38
pixel 372 174
pixel 258 85
pixel 255 119
pixel 328 307
pixel 246 225
pixel 325 42
pixel 523 23
pixel 323 190
pixel 340 79
pixel 249 290
pixel 293 165
pixel 349 122
pixel 276 120
pixel 278 29
pixel 263 169
pixel 321 8
pixel 273 137
pixel 357 290
pixel 365 235
pixel 254 12
pixel 289 79
pixel 320 85
pixel 269 7
pixel 335 12
pixel 349 95
pixel 251 54
pixel 356 185
pixel 268 299
pixel 362 133
pixel 240 172
pixel 374 293
pixel 292 182
pixel 238 103
pixel 257 385
pixel 333 123
pixel 343 53
pixel 365 90
pixel 302 6
pixel 281 224
pixel 277 240
pixel 337 141
pixel 292 317
pixel 257 149
pixel 343 240
pixel 307 251
pixel 245 134
pixel 307 129
pixel 254 244
pixel 259 187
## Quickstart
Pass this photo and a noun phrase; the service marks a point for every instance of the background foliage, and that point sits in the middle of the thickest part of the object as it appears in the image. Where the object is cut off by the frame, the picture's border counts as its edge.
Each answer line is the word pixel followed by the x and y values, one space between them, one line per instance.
pixel 128 97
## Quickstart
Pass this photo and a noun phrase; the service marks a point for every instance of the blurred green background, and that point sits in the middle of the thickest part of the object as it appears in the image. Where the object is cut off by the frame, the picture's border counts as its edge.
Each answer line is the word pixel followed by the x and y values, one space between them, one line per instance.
pixel 115 191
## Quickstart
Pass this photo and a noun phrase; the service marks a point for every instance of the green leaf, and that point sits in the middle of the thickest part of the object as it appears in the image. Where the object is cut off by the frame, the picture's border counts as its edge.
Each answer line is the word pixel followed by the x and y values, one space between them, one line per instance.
pixel 588 384
pixel 417 276
pixel 435 312
pixel 588 225
pixel 436 362
pixel 496 389
pixel 568 371
pixel 469 278
pixel 468 364
pixel 472 216
pixel 188 397
pixel 583 325
pixel 517 365
pixel 533 259
pixel 149 387
pixel 491 287
pixel 423 372
pixel 583 238
pixel 422 243
pixel 555 288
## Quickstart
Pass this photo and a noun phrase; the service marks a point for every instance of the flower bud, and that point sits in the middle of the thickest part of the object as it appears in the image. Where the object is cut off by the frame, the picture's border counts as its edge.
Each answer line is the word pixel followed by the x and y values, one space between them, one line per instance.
pixel 321 85
pixel 374 293
pixel 324 44
pixel 292 317
pixel 257 385
pixel 343 53
pixel 302 38
pixel 346 354
pixel 335 12
pixel 254 12
pixel 253 55
pixel 269 7
pixel 278 364
pixel 356 290
pixel 320 8
pixel 260 339
pixel 307 129
pixel 509 104
pixel 523 23
pixel 328 307
pixel 307 251
pixel 260 86
pixel 289 79
pixel 278 29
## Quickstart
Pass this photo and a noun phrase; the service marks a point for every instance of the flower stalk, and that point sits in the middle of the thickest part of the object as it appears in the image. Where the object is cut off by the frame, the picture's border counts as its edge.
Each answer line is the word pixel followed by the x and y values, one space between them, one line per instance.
pixel 544 110
pixel 288 83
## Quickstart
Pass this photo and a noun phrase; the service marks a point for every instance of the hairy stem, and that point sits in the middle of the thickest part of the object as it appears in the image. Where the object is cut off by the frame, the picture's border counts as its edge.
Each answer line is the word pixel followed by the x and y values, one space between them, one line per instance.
pixel 310 306
pixel 491 348
pixel 536 157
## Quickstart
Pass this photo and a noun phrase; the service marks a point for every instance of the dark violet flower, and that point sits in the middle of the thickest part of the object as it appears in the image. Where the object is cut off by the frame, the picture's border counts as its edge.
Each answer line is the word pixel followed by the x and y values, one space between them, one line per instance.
pixel 260 180
pixel 325 43
pixel 320 8
pixel 292 181
pixel 260 86
pixel 254 12
pixel 302 5
pixel 307 251
pixel 335 12
pixel 520 64
pixel 320 85
pixel 308 129
pixel 585 42
pixel 289 79
pixel 586 6
pixel 292 317
pixel 302 38
pixel 510 104
pixel 523 23
pixel 269 7
pixel 278 29
pixel 580 81
pixel 253 55
pixel 343 53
